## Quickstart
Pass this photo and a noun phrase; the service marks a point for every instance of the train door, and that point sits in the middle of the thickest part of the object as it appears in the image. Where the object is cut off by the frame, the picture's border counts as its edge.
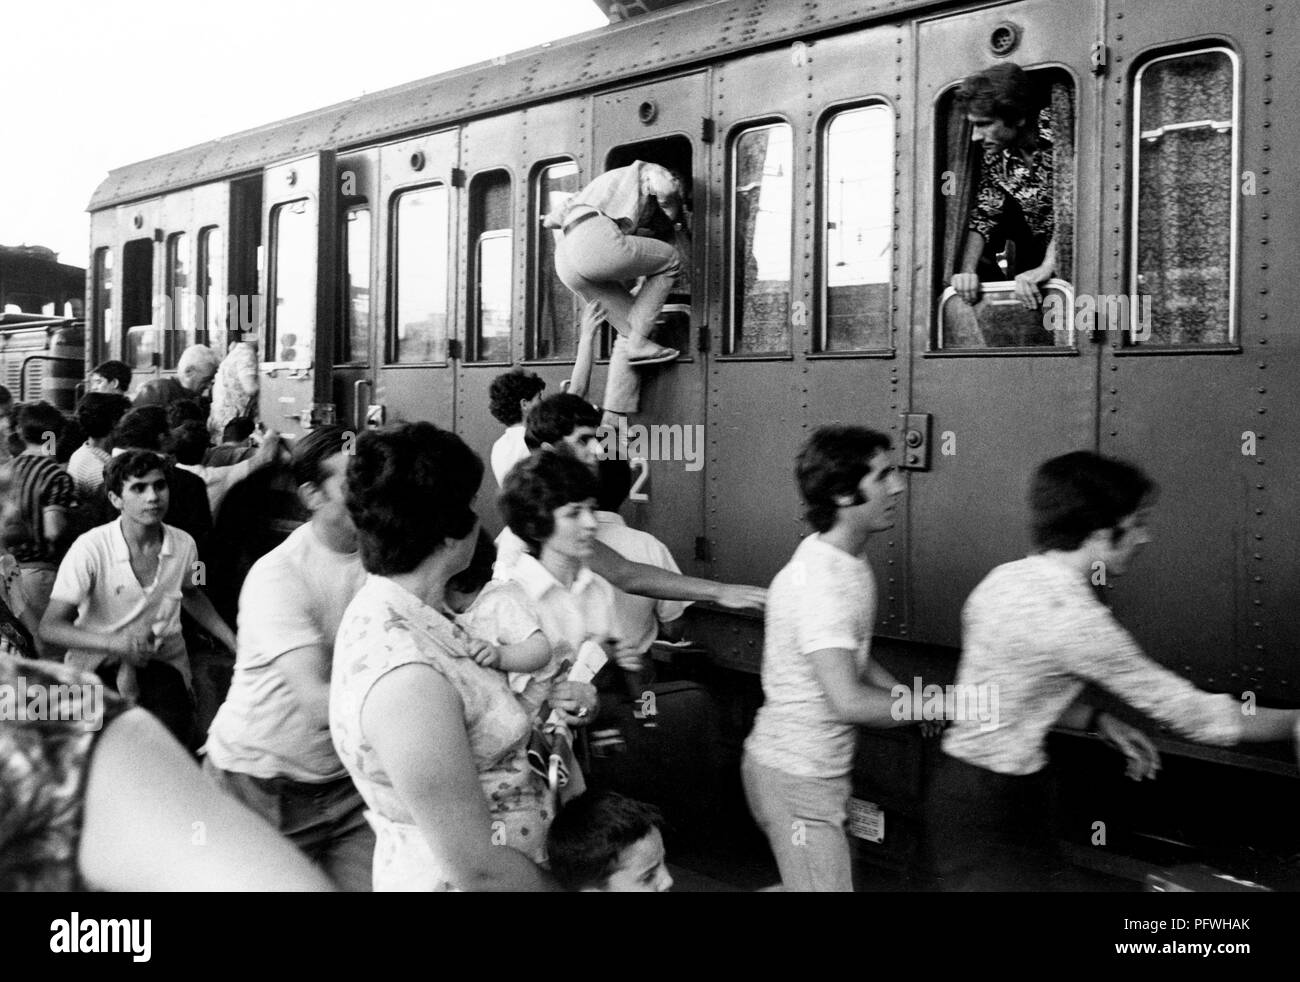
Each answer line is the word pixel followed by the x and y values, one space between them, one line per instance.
pixel 297 284
pixel 995 388
pixel 355 344
pixel 667 123
pixel 1187 372
pixel 490 274
pixel 416 310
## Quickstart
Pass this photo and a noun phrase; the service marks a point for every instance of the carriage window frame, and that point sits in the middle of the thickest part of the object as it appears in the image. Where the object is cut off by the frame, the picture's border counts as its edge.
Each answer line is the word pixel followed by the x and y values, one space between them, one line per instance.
pixel 271 256
pixel 102 297
pixel 537 269
pixel 181 313
pixel 934 323
pixel 1124 344
pixel 730 351
pixel 820 347
pixel 479 185
pixel 391 352
pixel 212 324
pixel 345 301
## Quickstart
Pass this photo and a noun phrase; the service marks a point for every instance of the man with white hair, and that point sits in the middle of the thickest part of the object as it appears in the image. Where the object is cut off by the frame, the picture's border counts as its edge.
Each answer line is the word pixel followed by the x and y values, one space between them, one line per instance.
pixel 194 373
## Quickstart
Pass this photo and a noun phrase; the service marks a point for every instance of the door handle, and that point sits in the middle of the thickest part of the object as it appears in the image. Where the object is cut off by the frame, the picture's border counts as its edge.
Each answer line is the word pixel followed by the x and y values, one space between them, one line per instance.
pixel 358 414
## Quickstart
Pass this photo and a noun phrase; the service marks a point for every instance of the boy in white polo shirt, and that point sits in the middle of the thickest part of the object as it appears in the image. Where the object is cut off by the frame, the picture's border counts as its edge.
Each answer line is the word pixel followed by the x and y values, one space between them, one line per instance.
pixel 119 592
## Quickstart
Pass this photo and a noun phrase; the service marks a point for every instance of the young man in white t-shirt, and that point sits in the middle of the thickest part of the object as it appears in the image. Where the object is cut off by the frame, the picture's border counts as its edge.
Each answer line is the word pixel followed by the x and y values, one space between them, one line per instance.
pixel 269 745
pixel 119 593
pixel 819 681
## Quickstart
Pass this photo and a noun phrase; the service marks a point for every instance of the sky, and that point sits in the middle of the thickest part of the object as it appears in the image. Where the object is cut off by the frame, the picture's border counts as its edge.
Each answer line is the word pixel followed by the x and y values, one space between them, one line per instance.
pixel 90 85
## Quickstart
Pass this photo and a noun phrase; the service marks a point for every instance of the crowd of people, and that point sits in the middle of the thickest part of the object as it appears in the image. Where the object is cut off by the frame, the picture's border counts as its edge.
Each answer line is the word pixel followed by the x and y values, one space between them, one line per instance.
pixel 407 693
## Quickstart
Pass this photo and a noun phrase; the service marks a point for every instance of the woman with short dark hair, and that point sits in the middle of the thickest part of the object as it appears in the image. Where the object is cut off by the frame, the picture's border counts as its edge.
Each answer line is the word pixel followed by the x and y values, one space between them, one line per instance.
pixel 435 743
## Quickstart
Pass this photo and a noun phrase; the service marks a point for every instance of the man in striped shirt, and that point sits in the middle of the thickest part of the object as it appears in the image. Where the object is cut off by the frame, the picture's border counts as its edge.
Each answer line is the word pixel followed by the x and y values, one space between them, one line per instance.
pixel 44 494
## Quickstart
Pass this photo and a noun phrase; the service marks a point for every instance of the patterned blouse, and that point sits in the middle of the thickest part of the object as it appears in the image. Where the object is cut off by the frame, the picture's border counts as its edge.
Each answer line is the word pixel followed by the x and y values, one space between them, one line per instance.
pixel 45 747
pixel 1033 633
pixel 384 628
pixel 1005 174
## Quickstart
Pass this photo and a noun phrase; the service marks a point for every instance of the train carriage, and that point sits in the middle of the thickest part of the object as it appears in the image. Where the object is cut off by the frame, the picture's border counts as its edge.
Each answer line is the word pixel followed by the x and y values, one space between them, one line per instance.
pixel 389 256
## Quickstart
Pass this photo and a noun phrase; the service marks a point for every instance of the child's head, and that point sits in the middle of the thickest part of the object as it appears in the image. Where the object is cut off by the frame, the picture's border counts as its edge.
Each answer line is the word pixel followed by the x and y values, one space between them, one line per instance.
pixel 607 843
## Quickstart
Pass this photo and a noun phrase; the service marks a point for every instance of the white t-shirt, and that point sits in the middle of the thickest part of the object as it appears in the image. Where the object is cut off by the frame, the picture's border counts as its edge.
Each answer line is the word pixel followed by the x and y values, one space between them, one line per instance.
pixel 637 618
pixel 509 449
pixel 822 598
pixel 97 578
pixel 294 597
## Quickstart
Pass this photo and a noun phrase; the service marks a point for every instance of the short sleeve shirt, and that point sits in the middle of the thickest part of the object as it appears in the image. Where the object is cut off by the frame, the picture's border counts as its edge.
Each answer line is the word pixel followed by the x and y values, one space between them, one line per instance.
pixel 636 618
pixel 40 482
pixel 96 577
pixel 823 598
pixel 86 468
pixel 294 597
pixel 1034 633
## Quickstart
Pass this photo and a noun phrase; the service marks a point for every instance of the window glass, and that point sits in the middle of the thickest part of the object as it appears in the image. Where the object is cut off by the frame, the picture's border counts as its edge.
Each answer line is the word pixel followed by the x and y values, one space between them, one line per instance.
pixel 293 315
pixel 180 296
pixel 857 229
pixel 354 340
pixel 420 277
pixel 212 253
pixel 104 302
pixel 762 220
pixel 491 267
pixel 137 304
pixel 555 325
pixel 1184 200
pixel 494 266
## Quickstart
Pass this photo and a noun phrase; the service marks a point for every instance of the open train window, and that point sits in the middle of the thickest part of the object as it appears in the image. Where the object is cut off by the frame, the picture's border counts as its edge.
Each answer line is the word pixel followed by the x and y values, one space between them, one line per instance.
pixel 102 341
pixel 211 314
pixel 1006 209
pixel 293 287
pixel 419 307
pixel 137 304
pixel 856 229
pixel 759 240
pixel 352 345
pixel 1185 165
pixel 554 321
pixel 491 266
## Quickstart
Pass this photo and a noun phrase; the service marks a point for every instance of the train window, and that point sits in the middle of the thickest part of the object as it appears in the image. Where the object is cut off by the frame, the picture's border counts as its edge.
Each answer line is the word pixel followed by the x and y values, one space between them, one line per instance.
pixel 762 226
pixel 420 277
pixel 857 229
pixel 492 266
pixel 211 319
pixel 102 344
pixel 555 321
pixel 141 338
pixel 293 289
pixel 353 344
pixel 1006 210
pixel 1185 168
